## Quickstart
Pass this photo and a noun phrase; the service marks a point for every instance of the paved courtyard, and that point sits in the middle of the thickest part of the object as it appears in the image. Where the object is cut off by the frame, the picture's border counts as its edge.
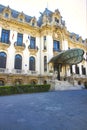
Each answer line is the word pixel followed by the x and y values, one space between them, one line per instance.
pixel 61 110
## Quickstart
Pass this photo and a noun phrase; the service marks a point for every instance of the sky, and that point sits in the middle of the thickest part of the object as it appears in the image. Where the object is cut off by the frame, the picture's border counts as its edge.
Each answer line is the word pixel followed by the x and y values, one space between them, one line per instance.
pixel 74 12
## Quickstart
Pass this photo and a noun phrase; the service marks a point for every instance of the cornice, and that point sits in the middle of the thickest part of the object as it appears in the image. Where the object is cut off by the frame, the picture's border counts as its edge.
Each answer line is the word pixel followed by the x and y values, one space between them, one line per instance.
pixel 19 26
pixel 77 44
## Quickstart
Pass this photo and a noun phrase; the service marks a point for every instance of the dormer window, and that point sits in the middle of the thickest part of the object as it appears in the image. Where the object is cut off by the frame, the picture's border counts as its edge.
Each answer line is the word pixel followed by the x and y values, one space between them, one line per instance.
pixel 56 20
pixel 33 23
pixel 21 19
pixel 6 15
pixel 7 12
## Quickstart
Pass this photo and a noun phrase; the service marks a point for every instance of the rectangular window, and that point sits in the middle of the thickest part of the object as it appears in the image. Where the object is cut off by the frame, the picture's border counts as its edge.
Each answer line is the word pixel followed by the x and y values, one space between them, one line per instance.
pixel 77 69
pixel 71 71
pixel 45 43
pixel 32 43
pixel 45 63
pixel 5 36
pixel 56 45
pixel 83 70
pixel 19 39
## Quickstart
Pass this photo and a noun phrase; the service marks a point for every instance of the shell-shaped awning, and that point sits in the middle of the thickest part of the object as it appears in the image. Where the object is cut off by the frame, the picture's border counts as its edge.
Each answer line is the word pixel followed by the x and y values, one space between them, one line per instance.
pixel 71 56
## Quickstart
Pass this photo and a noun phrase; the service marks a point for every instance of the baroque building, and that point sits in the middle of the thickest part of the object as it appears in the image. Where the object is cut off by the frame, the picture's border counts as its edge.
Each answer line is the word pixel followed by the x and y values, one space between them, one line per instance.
pixel 28 45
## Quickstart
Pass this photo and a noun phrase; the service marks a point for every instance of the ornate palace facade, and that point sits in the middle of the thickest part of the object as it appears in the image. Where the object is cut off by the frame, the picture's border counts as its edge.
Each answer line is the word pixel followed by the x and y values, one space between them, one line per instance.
pixel 27 45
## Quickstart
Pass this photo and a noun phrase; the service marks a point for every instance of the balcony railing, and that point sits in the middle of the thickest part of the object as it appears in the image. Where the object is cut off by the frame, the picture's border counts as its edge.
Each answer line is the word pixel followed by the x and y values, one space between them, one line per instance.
pixel 17 71
pixel 56 50
pixel 33 48
pixel 79 76
pixel 4 70
pixel 5 42
pixel 18 44
pixel 32 72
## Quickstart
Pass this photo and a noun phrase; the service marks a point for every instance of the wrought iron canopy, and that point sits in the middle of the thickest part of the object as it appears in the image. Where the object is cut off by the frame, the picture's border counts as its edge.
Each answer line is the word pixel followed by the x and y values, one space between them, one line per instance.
pixel 71 57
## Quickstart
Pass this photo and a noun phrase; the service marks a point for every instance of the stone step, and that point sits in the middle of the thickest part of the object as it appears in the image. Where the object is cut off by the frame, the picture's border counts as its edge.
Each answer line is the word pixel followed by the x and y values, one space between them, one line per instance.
pixel 68 87
pixel 64 85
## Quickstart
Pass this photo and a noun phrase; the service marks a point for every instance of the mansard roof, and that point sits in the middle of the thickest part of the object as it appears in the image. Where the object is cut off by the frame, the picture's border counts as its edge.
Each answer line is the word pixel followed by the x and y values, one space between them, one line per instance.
pixel 1 8
pixel 46 13
pixel 15 13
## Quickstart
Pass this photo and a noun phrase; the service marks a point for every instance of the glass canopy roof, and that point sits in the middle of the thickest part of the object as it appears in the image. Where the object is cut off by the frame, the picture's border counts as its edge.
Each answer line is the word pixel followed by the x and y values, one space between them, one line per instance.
pixel 72 57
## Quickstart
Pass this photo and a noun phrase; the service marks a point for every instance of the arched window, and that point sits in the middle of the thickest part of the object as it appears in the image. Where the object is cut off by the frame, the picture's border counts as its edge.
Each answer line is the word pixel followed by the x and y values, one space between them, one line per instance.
pixel 18 62
pixel 45 82
pixel 1 83
pixel 45 63
pixel 32 63
pixel 32 82
pixel 3 58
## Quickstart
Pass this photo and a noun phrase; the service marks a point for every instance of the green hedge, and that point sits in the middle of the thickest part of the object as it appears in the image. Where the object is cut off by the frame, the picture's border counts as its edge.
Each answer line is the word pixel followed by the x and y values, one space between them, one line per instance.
pixel 19 89
pixel 85 85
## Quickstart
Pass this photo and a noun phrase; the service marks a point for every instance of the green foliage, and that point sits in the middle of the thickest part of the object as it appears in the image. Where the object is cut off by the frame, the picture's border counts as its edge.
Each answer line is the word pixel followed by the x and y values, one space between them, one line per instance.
pixel 19 89
pixel 85 84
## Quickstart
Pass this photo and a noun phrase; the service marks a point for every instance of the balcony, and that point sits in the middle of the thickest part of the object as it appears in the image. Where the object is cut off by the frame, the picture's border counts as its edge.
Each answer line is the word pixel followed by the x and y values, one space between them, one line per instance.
pixel 33 50
pixel 4 45
pixel 56 51
pixel 19 47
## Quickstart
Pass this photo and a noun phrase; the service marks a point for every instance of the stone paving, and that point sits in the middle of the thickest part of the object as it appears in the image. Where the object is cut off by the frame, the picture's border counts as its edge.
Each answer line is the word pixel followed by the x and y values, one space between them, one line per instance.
pixel 60 110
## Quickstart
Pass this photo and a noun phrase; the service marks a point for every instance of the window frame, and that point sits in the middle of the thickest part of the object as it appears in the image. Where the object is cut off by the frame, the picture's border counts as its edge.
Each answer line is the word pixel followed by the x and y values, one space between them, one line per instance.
pixel 32 63
pixel 32 42
pixel 56 45
pixel 3 59
pixel 5 36
pixel 18 62
pixel 45 63
pixel 19 39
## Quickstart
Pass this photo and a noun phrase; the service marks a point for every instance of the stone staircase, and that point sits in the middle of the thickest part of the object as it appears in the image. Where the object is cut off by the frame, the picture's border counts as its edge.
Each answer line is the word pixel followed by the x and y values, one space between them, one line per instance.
pixel 63 85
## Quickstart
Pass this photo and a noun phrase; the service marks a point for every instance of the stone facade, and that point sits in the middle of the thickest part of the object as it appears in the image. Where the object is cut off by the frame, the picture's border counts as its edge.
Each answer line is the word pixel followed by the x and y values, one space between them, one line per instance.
pixel 28 44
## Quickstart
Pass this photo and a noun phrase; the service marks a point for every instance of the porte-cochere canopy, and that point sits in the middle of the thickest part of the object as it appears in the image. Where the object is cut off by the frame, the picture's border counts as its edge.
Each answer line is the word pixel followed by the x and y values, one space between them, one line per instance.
pixel 71 57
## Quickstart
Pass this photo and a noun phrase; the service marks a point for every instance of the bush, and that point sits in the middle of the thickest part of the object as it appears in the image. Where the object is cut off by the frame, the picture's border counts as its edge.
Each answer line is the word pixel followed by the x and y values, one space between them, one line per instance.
pixel 85 84
pixel 19 89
